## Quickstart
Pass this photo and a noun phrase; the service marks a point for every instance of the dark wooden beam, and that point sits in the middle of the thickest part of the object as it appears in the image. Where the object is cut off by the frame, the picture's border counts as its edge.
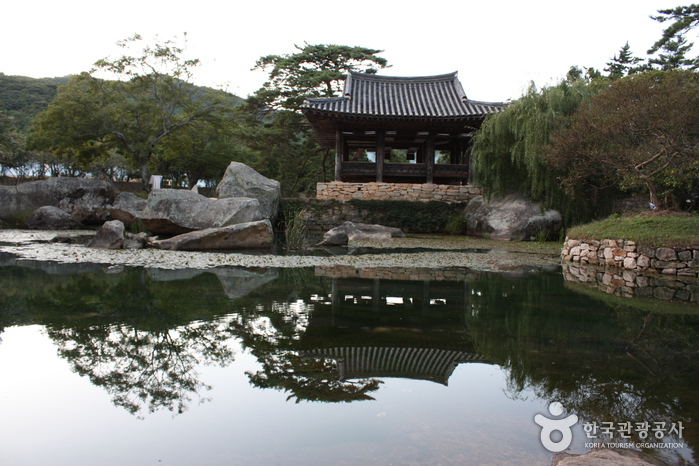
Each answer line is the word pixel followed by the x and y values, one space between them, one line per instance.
pixel 429 157
pixel 380 154
pixel 339 154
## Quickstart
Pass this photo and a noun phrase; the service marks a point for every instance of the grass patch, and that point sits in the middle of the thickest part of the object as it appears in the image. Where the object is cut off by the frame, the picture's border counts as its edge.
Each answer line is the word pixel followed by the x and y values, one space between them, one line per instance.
pixel 647 231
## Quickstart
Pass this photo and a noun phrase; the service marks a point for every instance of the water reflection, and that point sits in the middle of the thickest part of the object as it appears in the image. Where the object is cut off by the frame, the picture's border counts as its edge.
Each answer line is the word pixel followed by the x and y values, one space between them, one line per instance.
pixel 334 334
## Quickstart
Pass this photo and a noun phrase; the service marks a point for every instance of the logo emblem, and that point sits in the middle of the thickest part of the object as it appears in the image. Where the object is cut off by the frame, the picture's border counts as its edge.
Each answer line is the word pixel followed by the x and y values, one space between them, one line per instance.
pixel 549 426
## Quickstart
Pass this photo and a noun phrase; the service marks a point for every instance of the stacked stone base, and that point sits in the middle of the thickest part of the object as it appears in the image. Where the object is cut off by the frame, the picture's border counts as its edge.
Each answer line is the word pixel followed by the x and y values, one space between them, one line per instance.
pixel 396 192
pixel 628 255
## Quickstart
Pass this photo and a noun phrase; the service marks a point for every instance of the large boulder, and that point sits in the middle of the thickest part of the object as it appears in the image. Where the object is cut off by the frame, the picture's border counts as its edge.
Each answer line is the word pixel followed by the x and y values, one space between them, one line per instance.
pixel 349 231
pixel 128 208
pixel 239 180
pixel 511 218
pixel 86 200
pixel 51 218
pixel 252 235
pixel 173 212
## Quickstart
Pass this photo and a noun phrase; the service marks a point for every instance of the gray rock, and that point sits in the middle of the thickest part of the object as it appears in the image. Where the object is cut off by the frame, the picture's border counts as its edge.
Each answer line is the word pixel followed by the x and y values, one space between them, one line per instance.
pixel 606 456
pixel 136 241
pixel 239 180
pixel 252 235
pixel 127 207
pixel 51 218
pixel 174 211
pixel 110 236
pixel 665 254
pixel 511 218
pixel 349 231
pixel 86 200
pixel 367 228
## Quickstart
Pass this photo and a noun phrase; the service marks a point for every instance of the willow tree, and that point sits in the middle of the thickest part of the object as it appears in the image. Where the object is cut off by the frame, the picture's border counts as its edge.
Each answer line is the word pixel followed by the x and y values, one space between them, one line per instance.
pixel 642 131
pixel 508 151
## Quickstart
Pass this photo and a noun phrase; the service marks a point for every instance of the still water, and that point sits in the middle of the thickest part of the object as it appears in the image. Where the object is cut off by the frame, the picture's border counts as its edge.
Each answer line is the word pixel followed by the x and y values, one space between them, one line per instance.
pixel 115 365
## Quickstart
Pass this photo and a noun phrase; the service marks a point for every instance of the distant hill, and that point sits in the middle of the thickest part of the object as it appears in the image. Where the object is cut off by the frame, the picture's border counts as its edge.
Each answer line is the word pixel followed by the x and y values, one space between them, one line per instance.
pixel 23 98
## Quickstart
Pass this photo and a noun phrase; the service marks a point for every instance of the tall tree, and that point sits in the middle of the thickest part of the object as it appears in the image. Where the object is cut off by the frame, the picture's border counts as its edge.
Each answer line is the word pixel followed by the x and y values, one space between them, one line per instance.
pixel 314 71
pixel 277 132
pixel 642 130
pixel 624 64
pixel 683 18
pixel 151 99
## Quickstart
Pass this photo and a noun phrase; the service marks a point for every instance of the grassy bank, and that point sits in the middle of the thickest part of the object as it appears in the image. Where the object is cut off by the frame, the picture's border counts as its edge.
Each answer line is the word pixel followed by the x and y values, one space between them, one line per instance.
pixel 653 231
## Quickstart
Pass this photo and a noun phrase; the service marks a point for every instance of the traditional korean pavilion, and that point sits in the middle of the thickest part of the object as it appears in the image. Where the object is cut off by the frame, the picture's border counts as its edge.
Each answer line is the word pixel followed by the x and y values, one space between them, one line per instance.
pixel 399 129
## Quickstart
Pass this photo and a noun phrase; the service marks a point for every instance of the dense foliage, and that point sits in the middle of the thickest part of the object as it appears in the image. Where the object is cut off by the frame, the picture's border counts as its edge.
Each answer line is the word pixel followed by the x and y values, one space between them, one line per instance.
pixel 313 71
pixel 641 131
pixel 509 148
pixel 150 101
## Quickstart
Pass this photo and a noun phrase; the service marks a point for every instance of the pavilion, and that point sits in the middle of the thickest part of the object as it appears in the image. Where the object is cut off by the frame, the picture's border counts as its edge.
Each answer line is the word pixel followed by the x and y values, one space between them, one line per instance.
pixel 399 129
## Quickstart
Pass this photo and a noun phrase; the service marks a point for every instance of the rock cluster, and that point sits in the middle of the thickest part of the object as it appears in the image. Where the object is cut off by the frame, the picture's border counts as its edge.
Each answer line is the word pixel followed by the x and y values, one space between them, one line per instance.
pixel 628 255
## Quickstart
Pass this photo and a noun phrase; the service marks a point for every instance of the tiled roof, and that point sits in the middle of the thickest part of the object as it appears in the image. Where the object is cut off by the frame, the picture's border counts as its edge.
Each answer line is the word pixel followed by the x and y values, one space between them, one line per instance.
pixel 439 96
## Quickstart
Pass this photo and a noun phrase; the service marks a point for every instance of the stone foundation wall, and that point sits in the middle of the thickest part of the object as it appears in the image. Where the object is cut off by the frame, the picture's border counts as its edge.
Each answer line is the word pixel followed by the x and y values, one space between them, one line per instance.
pixel 628 255
pixel 396 191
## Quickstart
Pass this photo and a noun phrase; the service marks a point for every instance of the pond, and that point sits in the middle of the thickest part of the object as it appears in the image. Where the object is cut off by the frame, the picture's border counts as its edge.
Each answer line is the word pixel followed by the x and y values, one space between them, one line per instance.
pixel 115 365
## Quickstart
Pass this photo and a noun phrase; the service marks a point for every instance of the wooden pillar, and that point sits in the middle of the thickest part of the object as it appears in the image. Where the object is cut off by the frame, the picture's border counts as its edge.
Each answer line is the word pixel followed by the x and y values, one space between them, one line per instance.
pixel 380 154
pixel 429 157
pixel 339 154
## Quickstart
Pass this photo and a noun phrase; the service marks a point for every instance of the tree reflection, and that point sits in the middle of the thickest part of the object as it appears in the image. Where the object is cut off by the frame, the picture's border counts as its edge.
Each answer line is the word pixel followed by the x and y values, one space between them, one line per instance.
pixel 606 364
pixel 310 379
pixel 149 370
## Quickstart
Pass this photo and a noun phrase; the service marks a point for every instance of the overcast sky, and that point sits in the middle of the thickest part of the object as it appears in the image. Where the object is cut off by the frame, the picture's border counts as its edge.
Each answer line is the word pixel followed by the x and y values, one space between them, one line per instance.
pixel 497 47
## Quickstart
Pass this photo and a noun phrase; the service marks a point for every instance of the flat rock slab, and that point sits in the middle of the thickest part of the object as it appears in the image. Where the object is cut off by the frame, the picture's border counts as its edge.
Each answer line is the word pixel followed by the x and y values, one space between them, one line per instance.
pixel 174 211
pixel 251 235
pixel 349 231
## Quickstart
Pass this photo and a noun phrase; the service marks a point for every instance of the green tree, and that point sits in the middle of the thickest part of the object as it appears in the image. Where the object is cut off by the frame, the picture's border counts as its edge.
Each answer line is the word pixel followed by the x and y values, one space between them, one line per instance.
pixel 151 100
pixel 314 71
pixel 508 150
pixel 682 18
pixel 642 130
pixel 624 64
pixel 278 137
pixel 675 56
pixel 11 142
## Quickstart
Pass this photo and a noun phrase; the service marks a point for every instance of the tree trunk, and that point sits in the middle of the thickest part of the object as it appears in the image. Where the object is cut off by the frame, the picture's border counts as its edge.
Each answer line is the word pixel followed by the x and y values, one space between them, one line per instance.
pixel 653 194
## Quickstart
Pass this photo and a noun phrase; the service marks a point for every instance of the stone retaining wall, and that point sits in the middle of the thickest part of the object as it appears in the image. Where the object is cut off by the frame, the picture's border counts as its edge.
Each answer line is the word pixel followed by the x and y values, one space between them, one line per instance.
pixel 396 191
pixel 627 255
